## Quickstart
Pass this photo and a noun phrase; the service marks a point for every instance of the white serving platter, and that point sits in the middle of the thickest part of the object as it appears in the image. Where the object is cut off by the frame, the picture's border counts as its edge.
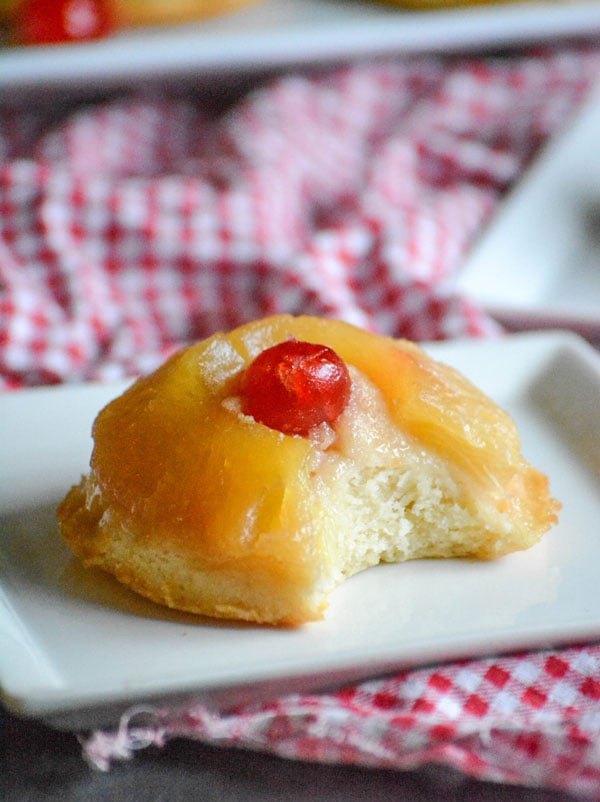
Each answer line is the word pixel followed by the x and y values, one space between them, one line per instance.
pixel 76 647
pixel 538 263
pixel 279 33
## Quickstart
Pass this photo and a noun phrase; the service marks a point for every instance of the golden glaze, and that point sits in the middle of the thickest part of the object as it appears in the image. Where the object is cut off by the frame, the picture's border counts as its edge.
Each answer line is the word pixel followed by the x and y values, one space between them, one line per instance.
pixel 189 469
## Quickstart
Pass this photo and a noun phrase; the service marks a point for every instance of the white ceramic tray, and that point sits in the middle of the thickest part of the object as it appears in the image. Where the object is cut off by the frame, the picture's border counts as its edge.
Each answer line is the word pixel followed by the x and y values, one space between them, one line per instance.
pixel 280 33
pixel 538 264
pixel 75 647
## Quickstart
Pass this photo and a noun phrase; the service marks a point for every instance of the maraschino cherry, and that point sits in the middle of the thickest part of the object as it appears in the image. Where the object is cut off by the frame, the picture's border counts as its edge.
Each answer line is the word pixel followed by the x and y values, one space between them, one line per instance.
pixel 43 22
pixel 294 386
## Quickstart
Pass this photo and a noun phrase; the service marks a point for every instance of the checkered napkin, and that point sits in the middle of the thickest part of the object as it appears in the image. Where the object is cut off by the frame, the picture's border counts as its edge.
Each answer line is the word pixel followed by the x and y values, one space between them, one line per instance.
pixel 531 719
pixel 129 227
pixel 132 226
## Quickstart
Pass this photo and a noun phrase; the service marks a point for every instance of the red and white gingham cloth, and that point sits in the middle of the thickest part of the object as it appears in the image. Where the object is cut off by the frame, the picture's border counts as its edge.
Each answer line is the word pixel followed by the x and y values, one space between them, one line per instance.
pixel 129 227
pixel 132 226
pixel 531 719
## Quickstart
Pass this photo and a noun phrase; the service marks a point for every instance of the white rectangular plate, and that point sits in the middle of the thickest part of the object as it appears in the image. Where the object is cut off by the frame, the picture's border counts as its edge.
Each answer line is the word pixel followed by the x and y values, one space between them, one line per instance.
pixel 280 33
pixel 538 264
pixel 75 645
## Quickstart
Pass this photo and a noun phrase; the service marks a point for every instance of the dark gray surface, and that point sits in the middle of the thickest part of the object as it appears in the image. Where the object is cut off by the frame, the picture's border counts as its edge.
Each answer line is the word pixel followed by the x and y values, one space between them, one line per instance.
pixel 38 764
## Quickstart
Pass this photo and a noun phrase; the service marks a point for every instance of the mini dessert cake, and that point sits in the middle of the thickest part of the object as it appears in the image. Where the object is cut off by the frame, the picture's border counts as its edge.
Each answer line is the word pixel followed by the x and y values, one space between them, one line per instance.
pixel 255 471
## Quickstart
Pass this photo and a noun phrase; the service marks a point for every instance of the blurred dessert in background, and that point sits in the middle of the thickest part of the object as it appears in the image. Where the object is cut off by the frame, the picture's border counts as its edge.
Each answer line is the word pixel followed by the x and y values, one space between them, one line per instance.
pixel 44 22
pixel 169 12
pixel 425 5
